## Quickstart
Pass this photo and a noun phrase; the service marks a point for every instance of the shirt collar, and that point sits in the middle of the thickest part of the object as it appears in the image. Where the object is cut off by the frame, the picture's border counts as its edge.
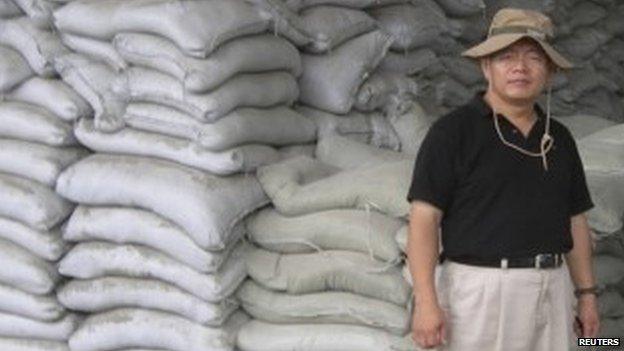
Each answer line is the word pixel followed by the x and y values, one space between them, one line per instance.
pixel 484 110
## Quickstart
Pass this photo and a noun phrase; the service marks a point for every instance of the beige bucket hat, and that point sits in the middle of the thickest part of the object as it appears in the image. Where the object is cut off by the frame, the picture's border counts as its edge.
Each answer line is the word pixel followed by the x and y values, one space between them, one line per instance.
pixel 510 25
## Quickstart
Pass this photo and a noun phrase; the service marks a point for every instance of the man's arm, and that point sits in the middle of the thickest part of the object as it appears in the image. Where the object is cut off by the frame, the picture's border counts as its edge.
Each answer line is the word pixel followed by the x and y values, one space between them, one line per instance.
pixel 422 254
pixel 579 261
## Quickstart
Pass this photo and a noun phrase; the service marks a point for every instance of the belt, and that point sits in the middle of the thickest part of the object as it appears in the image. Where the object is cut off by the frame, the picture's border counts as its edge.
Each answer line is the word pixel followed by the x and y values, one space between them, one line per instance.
pixel 545 260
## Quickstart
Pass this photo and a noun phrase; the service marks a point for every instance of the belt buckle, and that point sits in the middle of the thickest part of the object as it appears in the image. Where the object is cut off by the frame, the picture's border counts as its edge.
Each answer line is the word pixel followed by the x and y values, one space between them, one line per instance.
pixel 538 260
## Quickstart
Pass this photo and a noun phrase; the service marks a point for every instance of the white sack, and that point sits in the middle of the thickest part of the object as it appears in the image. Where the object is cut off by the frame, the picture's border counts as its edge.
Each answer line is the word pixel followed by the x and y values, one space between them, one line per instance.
pixel 100 295
pixel 330 26
pixel 47 245
pixel 243 90
pixel 607 193
pixel 9 9
pixel 410 25
pixel 468 29
pixel 23 121
pixel 583 81
pixel 584 125
pixel 463 69
pixel 21 327
pixel 451 93
pixel 20 303
pixel 252 54
pixel 612 244
pixel 613 22
pixel 609 270
pixel 39 11
pixel 38 162
pixel 137 328
pixel 125 225
pixel 401 237
pixel 583 43
pixel 330 82
pixel 585 13
pixel 352 230
pixel 297 150
pixel 382 89
pixel 99 259
pixel 239 127
pixel 322 308
pixel 38 46
pixel 407 63
pixel 346 153
pixel 261 336
pixel 462 8
pixel 93 80
pixel 371 128
pixel 610 304
pixel 380 188
pixel 205 205
pixel 18 344
pixel 13 69
pixel 603 151
pixel 330 270
pixel 28 272
pixel 611 327
pixel 197 27
pixel 129 141
pixel 99 50
pixel 31 203
pixel 54 95
pixel 411 128
pixel 284 22
pixel 298 5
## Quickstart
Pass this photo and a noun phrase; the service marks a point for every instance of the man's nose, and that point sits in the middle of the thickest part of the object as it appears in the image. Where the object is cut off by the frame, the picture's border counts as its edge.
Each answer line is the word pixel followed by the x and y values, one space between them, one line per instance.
pixel 519 63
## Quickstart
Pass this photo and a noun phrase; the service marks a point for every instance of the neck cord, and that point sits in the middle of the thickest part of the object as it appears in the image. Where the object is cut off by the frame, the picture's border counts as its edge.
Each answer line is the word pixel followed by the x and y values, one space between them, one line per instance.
pixel 545 144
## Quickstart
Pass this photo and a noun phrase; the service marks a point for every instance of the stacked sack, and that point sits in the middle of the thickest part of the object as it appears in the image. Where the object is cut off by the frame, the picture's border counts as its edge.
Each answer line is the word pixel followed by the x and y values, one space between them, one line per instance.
pixel 186 97
pixel 601 148
pixel 589 33
pixel 426 44
pixel 602 153
pixel 325 271
pixel 341 90
pixel 36 143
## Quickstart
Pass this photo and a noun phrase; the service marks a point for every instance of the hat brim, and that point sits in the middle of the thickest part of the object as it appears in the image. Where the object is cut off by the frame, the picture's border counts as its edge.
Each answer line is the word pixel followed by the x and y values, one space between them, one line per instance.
pixel 501 41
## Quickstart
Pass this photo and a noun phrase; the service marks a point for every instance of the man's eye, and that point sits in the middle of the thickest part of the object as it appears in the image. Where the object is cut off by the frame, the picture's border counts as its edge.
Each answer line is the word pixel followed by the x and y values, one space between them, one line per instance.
pixel 536 57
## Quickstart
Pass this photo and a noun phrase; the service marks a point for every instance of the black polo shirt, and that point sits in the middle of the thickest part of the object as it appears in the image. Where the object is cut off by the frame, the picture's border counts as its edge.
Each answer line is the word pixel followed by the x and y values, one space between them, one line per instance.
pixel 498 202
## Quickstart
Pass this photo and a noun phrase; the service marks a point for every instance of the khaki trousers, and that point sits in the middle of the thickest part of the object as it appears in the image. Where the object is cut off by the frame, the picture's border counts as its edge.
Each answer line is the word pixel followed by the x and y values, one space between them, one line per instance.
pixel 515 309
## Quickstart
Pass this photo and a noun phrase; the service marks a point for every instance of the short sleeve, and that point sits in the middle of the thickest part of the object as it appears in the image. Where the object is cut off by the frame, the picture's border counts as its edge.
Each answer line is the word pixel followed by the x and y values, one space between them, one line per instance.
pixel 580 199
pixel 433 177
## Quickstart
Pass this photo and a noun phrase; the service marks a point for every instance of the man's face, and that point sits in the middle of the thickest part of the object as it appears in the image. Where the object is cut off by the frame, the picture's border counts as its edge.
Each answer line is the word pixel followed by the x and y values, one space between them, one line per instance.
pixel 518 72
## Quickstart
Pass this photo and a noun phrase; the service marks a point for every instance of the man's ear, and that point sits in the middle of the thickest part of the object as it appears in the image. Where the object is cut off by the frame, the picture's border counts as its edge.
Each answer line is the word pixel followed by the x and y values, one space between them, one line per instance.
pixel 485 67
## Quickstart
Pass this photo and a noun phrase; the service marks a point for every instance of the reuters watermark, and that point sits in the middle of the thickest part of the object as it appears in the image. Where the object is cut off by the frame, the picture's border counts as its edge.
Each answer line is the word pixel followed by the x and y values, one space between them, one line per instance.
pixel 599 342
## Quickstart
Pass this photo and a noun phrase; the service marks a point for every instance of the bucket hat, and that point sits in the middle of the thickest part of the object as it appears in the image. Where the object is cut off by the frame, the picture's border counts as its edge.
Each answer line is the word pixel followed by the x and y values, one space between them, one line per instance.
pixel 510 25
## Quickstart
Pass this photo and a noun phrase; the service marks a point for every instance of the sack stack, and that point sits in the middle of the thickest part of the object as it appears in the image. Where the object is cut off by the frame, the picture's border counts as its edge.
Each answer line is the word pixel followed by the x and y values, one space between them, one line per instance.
pixel 589 33
pixel 324 267
pixel 36 144
pixel 186 97
pixel 602 153
pixel 326 270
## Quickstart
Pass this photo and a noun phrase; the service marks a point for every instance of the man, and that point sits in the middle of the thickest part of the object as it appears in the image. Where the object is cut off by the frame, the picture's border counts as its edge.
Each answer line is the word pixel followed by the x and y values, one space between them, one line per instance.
pixel 506 185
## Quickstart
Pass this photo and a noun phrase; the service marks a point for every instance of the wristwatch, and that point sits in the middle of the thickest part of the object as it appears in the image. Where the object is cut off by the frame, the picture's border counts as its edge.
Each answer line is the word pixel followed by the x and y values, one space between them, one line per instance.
pixel 589 290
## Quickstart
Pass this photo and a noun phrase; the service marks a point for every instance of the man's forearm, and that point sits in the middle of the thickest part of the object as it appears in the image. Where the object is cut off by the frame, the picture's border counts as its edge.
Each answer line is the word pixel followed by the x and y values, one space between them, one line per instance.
pixel 579 259
pixel 422 253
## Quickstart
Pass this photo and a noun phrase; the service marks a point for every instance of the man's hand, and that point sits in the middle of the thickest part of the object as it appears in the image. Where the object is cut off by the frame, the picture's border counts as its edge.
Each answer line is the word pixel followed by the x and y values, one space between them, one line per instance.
pixel 428 325
pixel 587 308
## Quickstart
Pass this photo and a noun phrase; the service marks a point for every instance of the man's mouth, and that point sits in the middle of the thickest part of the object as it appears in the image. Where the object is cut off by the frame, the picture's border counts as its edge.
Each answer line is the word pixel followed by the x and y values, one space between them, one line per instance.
pixel 520 82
